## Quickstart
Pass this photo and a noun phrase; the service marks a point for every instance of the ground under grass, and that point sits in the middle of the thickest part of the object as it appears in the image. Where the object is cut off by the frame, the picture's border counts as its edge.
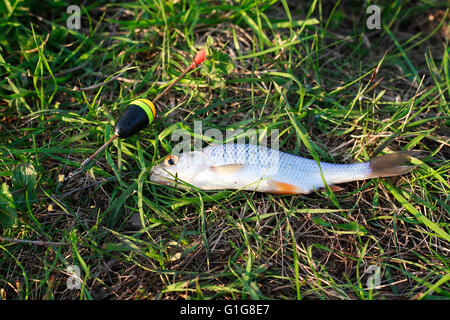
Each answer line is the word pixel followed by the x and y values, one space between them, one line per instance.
pixel 332 87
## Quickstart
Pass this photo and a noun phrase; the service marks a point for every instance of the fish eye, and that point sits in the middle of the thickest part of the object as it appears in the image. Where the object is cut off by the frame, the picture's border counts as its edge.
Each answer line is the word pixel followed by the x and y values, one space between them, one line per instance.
pixel 171 160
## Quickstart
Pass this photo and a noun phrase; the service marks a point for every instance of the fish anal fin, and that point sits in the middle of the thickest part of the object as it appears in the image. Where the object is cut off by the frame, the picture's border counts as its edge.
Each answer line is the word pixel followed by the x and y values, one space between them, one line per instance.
pixel 279 187
pixel 333 187
pixel 336 188
pixel 227 168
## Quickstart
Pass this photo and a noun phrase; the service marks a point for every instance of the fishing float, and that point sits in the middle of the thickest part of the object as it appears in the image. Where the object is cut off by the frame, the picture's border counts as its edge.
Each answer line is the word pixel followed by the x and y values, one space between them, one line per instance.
pixel 139 114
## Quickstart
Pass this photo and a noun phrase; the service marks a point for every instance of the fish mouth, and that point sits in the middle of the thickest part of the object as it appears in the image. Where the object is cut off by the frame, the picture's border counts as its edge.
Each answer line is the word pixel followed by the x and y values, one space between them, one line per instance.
pixel 167 181
pixel 160 179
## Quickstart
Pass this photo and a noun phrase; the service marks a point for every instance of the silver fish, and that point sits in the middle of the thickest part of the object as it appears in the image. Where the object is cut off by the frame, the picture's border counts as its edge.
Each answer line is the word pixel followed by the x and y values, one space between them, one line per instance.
pixel 257 168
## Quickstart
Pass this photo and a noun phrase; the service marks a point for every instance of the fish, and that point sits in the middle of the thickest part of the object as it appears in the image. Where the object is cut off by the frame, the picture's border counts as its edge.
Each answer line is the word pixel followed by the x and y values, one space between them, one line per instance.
pixel 239 166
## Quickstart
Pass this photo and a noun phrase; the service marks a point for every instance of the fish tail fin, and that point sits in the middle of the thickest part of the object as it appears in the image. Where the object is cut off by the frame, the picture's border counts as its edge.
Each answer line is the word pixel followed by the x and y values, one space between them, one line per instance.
pixel 393 164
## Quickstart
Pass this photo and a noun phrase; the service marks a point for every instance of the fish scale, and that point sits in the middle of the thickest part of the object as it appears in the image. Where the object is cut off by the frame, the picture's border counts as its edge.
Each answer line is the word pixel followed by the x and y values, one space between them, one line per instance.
pixel 284 167
pixel 258 168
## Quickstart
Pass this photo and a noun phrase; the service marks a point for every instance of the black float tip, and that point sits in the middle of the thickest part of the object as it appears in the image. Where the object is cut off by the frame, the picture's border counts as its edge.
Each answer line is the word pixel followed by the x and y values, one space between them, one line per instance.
pixel 138 115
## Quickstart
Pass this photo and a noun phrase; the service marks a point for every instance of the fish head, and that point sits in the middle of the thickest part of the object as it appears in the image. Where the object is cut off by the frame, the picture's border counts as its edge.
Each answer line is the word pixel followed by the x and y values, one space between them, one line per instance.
pixel 184 167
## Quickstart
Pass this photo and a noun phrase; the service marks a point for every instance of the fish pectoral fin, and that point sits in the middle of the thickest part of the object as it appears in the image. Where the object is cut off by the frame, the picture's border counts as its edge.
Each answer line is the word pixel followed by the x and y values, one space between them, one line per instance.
pixel 279 187
pixel 227 168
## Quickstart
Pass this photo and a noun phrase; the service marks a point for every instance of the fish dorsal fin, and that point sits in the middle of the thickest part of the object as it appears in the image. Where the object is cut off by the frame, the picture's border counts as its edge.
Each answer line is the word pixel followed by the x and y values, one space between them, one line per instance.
pixel 227 168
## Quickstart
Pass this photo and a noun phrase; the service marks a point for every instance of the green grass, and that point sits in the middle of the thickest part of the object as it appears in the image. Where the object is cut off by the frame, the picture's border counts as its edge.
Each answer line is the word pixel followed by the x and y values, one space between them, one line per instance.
pixel 304 68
